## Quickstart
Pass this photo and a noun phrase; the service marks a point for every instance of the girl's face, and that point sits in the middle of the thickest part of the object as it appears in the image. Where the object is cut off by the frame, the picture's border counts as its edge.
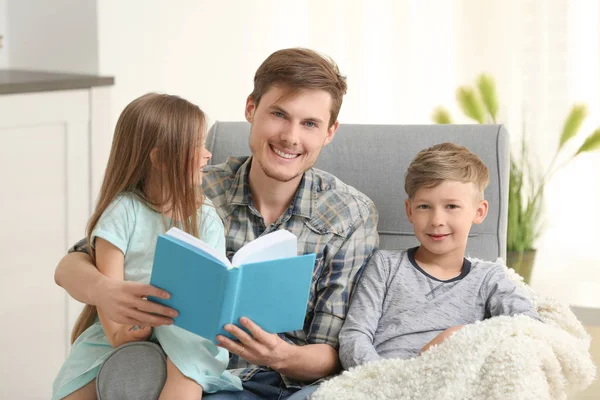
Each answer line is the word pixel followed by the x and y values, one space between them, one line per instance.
pixel 201 158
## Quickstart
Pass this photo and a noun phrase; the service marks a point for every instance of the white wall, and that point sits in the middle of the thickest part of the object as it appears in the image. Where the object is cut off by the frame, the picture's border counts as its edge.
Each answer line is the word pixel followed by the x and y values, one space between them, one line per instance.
pixel 60 35
pixel 545 57
pixel 209 51
pixel 569 261
pixel 402 59
pixel 3 32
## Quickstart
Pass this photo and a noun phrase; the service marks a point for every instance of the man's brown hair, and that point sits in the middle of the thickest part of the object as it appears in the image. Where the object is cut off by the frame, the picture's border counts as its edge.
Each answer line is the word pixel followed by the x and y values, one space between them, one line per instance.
pixel 298 69
pixel 445 162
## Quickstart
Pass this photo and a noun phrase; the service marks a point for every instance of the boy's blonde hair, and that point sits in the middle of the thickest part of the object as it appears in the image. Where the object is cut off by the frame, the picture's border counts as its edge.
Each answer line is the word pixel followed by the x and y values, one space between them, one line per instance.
pixel 445 162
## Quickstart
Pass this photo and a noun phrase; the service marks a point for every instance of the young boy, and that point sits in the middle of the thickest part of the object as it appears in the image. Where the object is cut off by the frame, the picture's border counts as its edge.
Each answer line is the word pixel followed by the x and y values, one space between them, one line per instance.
pixel 407 301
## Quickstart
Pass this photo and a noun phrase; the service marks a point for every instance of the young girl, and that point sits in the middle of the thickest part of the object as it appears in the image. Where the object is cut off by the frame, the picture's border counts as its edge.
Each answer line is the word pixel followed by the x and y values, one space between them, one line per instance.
pixel 152 182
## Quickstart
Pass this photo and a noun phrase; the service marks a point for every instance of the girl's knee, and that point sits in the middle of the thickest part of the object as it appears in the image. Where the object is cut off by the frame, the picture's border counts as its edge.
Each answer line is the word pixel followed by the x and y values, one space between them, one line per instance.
pixel 179 386
pixel 88 392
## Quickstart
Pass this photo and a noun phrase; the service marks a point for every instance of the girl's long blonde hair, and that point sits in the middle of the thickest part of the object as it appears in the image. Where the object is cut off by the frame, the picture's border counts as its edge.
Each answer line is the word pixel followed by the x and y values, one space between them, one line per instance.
pixel 175 128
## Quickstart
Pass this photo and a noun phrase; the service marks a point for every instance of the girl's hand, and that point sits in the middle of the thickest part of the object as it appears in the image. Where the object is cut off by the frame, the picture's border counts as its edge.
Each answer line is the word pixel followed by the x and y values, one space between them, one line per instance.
pixel 130 333
pixel 125 303
pixel 440 338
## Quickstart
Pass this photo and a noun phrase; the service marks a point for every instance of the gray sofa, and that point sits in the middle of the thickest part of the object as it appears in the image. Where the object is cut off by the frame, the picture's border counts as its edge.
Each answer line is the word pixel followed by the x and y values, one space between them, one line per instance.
pixel 374 158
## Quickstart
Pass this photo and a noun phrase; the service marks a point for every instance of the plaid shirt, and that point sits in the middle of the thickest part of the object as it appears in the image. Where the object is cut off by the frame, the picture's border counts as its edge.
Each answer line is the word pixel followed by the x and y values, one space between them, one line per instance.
pixel 329 218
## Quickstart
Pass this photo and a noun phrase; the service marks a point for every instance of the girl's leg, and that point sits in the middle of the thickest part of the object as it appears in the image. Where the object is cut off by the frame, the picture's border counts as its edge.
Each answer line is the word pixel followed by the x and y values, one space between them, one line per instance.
pixel 88 392
pixel 179 386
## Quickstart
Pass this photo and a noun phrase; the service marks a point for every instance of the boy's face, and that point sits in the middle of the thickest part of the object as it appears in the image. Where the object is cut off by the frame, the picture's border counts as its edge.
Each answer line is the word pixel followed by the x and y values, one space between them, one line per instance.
pixel 288 132
pixel 442 216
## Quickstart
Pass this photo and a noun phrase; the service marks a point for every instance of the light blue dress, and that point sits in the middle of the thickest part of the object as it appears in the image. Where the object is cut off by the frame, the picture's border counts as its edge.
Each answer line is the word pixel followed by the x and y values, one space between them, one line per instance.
pixel 133 227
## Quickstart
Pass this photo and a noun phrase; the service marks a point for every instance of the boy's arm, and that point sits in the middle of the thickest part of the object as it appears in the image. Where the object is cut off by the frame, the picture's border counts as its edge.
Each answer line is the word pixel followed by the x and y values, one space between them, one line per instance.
pixel 439 339
pixel 110 262
pixel 504 297
pixel 358 332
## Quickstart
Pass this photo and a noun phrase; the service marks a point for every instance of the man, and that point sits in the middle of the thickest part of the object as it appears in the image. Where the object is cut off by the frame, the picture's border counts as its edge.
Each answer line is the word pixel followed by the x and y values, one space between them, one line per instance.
pixel 293 113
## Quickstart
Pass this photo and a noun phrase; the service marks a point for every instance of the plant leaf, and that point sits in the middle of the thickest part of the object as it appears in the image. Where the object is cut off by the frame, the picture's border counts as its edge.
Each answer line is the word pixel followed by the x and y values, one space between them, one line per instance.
pixel 441 116
pixel 514 207
pixel 487 91
pixel 591 143
pixel 572 123
pixel 525 204
pixel 470 104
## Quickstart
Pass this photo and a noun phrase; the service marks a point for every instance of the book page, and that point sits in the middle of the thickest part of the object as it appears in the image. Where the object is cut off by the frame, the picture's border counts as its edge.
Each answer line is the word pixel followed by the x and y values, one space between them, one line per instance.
pixel 272 246
pixel 274 294
pixel 194 241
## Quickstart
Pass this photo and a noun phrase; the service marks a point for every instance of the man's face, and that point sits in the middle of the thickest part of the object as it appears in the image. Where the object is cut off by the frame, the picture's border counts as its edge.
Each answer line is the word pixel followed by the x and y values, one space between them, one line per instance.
pixel 442 216
pixel 288 131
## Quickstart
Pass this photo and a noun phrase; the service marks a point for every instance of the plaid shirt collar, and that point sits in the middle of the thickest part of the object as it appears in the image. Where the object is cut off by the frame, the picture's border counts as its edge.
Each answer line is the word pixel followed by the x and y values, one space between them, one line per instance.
pixel 239 192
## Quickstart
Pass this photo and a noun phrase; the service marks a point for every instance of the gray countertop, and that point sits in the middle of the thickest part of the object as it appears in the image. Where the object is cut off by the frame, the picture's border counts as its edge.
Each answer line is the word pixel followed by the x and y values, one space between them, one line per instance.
pixel 586 315
pixel 24 81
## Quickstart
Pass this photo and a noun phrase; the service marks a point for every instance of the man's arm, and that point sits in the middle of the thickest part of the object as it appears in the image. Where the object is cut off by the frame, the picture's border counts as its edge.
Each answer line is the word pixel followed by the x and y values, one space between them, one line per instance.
pixel 334 287
pixel 303 363
pixel 78 276
pixel 308 363
pixel 332 297
pixel 366 307
pixel 319 358
pixel 123 302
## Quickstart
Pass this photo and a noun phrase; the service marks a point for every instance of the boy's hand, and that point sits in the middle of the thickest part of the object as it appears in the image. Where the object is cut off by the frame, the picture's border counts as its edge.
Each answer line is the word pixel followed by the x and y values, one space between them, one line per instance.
pixel 129 333
pixel 440 338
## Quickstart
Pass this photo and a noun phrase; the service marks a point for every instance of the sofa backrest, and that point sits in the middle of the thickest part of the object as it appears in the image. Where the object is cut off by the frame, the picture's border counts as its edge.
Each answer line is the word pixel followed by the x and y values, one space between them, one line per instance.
pixel 374 159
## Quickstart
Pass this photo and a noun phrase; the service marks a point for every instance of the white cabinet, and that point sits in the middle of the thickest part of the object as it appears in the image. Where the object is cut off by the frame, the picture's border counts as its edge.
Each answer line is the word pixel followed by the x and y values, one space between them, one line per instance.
pixel 47 166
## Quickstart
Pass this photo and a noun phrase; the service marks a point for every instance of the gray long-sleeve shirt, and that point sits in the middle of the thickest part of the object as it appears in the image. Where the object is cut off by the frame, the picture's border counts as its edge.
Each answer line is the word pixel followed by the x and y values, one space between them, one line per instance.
pixel 397 307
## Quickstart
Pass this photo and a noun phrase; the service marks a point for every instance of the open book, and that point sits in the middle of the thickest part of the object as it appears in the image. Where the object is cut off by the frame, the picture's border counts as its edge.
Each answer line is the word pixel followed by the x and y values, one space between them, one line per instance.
pixel 266 281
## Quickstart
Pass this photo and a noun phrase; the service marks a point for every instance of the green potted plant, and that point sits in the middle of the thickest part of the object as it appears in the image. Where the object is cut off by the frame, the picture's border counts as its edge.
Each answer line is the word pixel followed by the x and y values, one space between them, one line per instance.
pixel 527 181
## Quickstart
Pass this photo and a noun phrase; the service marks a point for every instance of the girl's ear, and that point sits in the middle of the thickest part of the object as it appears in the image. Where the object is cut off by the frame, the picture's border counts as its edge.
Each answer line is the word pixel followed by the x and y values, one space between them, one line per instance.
pixel 154 158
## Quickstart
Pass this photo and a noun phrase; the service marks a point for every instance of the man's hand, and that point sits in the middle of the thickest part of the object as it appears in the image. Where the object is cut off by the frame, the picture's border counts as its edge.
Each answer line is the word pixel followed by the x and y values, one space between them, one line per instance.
pixel 128 333
pixel 440 338
pixel 125 303
pixel 259 348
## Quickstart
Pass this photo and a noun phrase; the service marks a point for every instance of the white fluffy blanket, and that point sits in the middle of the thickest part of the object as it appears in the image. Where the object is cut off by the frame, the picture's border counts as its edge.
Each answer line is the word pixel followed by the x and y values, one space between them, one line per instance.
pixel 499 358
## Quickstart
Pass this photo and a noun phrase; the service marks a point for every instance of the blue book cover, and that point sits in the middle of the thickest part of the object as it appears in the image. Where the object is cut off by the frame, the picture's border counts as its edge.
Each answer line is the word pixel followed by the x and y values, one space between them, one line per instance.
pixel 266 281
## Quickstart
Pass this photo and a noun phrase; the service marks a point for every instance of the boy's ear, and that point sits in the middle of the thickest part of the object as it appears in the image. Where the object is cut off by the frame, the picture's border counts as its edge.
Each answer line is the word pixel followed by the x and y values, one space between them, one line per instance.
pixel 482 212
pixel 408 210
